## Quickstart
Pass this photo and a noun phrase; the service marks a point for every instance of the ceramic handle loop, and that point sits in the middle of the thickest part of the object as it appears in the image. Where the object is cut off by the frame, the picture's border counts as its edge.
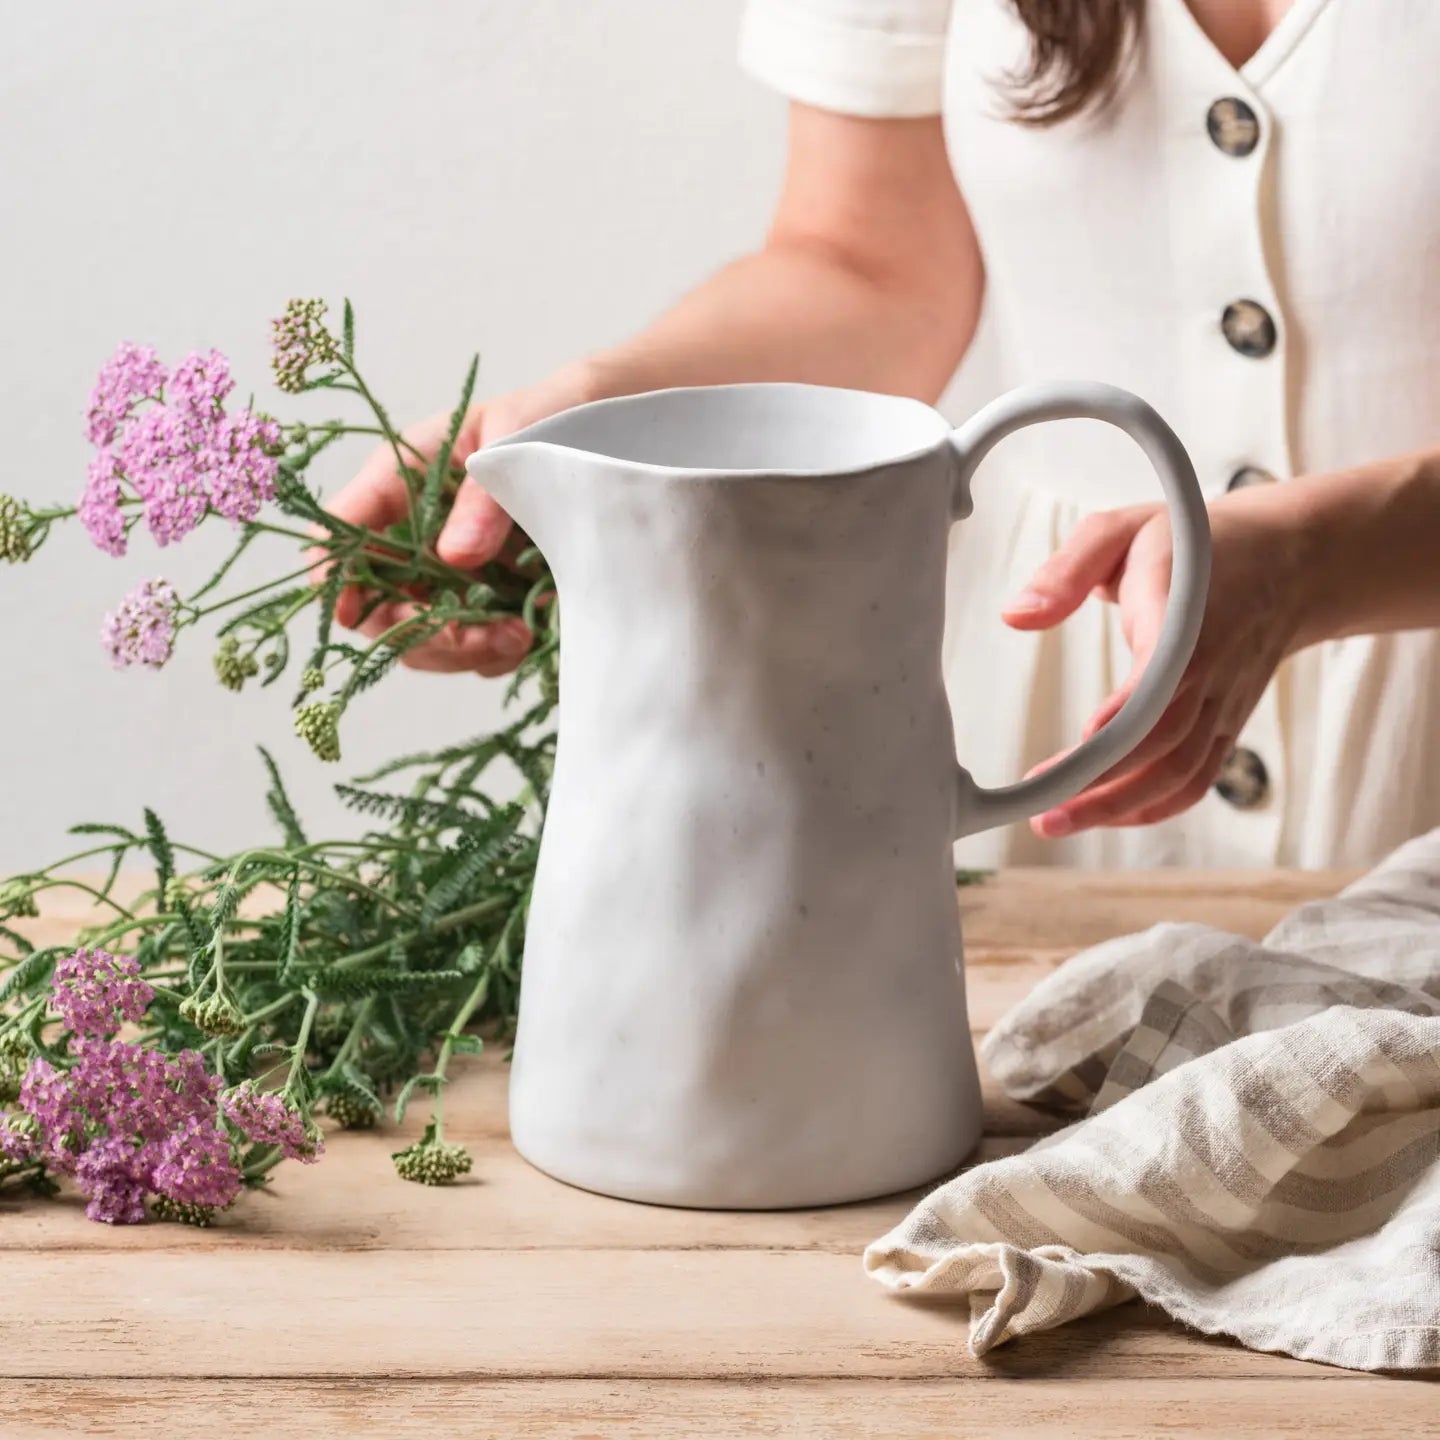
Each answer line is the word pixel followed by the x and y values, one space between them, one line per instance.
pixel 977 808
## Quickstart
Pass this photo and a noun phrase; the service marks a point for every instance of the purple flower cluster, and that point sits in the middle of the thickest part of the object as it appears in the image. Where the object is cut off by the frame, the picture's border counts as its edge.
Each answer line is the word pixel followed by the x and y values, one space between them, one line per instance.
pixel 124 1121
pixel 100 504
pixel 94 992
pixel 141 630
pixel 267 1118
pixel 133 373
pixel 179 453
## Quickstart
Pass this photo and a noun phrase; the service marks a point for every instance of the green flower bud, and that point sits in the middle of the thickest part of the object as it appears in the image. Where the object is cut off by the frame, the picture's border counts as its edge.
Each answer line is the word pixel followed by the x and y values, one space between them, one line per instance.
pixel 15 1050
pixel 432 1161
pixel 182 1212
pixel 300 340
pixel 17 901
pixel 14 538
pixel 318 725
pixel 312 678
pixel 231 667
pixel 218 1015
pixel 352 1112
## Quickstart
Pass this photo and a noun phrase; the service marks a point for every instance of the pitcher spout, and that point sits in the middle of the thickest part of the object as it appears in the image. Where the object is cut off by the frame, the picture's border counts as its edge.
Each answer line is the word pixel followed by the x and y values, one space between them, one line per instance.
pixel 519 474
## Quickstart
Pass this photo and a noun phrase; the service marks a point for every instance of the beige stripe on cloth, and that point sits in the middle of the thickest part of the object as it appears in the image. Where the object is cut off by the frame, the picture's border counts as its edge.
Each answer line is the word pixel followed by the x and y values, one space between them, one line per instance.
pixel 1260 1149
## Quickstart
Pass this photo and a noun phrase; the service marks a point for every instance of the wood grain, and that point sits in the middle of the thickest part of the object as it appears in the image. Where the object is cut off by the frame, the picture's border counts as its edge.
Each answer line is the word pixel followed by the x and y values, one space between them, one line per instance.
pixel 347 1303
pixel 496 1314
pixel 1117 1407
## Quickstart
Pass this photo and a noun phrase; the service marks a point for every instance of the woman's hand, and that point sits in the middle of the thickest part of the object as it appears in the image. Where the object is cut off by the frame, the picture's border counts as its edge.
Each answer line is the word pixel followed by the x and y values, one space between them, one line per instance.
pixel 476 532
pixel 1253 617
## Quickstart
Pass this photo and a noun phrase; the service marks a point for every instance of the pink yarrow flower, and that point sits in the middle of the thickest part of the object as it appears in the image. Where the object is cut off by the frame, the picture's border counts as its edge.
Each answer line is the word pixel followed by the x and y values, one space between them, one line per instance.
pixel 157 456
pixel 100 512
pixel 241 471
pixel 115 1174
pixel 179 455
pixel 197 391
pixel 141 630
pixel 16 1147
pixel 268 1118
pixel 131 374
pixel 196 1166
pixel 94 992
pixel 124 1121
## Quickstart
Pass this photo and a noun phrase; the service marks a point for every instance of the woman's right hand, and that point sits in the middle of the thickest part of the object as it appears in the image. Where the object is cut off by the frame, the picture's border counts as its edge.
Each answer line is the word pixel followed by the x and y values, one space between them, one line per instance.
pixel 476 532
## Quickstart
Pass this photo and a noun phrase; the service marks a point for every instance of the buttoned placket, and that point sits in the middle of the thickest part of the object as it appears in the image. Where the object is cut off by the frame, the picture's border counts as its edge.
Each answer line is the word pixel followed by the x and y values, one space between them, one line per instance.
pixel 1220 153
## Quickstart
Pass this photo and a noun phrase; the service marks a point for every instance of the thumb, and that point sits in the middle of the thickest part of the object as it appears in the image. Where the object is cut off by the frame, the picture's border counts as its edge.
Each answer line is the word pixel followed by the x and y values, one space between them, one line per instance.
pixel 1088 560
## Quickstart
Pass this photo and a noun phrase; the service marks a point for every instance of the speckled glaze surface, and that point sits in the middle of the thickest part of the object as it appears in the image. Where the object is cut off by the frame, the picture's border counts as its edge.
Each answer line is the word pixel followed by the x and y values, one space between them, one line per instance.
pixel 743 982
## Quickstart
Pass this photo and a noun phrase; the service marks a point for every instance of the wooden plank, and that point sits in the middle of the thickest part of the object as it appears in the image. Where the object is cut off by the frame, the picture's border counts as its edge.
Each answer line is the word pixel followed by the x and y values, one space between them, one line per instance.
pixel 1290 1408
pixel 564 1314
pixel 353 1200
pixel 1067 909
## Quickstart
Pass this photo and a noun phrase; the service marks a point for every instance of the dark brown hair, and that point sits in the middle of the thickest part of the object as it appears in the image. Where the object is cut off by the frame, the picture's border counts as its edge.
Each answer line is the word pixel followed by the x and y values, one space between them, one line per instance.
pixel 1078 52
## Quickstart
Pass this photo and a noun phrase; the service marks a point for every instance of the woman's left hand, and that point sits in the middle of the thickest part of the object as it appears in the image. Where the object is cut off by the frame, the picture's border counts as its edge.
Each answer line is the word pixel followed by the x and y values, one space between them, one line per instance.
pixel 1253 615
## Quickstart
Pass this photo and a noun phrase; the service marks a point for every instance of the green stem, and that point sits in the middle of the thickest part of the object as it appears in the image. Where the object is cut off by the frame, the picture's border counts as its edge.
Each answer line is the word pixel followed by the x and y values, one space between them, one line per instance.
pixel 61 882
pixel 391 435
pixel 302 1040
pixel 260 590
pixel 273 1008
pixel 362 1018
pixel 453 921
pixel 261 1166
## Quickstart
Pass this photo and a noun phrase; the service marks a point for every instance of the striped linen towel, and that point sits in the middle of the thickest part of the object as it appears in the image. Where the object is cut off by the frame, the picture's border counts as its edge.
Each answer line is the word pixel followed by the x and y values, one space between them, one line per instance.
pixel 1260 1149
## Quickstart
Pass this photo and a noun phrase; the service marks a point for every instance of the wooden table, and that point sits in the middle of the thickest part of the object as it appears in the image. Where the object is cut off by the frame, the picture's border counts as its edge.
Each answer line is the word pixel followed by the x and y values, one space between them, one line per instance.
pixel 347 1302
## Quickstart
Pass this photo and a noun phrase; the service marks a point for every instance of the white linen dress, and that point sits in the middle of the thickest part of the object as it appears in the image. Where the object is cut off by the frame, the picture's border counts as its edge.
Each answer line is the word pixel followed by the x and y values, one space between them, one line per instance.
pixel 1257 253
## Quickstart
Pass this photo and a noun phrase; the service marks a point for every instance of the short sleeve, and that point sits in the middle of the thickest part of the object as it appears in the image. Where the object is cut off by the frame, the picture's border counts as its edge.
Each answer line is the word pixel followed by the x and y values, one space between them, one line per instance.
pixel 860 57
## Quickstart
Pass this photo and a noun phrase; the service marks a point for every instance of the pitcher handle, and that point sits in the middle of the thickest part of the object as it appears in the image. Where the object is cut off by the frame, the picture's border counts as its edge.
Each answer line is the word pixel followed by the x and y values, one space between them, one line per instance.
pixel 977 808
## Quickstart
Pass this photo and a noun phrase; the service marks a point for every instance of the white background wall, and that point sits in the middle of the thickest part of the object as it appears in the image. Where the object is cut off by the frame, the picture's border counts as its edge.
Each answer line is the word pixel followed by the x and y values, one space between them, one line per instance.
pixel 529 180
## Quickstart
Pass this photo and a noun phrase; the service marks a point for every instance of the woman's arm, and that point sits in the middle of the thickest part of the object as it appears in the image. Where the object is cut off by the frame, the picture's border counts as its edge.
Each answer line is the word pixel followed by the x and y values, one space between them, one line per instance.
pixel 870 278
pixel 1372 539
pixel 1349 553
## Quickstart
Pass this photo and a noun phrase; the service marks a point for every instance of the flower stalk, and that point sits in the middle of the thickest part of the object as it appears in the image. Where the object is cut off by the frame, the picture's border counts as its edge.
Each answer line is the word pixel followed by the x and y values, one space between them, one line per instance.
pixel 347 971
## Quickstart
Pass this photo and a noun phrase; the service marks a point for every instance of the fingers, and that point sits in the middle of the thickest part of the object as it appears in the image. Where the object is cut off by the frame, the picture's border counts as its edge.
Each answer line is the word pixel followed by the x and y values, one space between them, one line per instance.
pixel 476 530
pixel 1180 718
pixel 489 650
pixel 1152 785
pixel 1088 560
pixel 1191 793
pixel 377 495
pixel 374 499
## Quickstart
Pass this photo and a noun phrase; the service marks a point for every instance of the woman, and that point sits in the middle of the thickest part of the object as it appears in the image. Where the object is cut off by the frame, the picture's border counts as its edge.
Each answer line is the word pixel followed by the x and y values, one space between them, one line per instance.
pixel 1231 207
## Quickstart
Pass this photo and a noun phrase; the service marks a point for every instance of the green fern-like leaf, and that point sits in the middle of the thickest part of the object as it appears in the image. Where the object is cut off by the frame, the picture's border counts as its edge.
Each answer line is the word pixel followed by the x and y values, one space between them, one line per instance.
pixel 289 947
pixel 161 851
pixel 474 853
pixel 433 485
pixel 407 809
pixel 278 799
pixel 359 984
pixel 30 973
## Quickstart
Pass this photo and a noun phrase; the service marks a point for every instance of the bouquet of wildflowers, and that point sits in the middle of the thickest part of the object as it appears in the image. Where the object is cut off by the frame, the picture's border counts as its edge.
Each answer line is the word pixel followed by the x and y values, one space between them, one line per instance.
pixel 194 1037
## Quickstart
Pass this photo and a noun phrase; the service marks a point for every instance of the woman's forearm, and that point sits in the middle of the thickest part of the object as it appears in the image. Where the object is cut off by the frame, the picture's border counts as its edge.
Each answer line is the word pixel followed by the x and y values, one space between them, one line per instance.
pixel 1372 547
pixel 794 312
pixel 871 276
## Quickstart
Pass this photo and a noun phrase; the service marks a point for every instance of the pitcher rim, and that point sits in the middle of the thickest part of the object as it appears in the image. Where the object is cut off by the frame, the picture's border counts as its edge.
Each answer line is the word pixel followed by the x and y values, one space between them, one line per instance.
pixel 943 427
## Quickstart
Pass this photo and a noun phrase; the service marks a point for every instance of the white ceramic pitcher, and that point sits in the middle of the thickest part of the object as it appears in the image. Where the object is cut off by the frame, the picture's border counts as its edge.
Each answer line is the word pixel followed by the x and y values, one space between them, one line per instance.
pixel 742 982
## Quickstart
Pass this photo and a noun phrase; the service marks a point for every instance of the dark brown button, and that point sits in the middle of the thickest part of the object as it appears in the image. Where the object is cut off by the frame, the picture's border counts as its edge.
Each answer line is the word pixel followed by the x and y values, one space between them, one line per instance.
pixel 1244 780
pixel 1248 327
pixel 1233 125
pixel 1250 475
